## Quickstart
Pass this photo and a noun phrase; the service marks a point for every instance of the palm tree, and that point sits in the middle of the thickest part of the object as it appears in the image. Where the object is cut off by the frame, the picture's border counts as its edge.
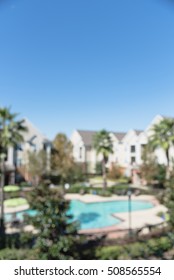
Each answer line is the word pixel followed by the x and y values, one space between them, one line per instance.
pixel 10 135
pixel 163 136
pixel 103 144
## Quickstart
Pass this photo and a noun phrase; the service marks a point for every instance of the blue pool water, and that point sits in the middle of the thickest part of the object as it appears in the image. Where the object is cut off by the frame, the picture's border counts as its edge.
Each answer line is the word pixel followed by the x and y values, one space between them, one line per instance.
pixel 94 215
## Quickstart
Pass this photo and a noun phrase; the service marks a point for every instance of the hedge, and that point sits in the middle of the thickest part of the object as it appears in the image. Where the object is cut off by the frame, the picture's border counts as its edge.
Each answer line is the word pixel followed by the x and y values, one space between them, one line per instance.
pixel 18 254
pixel 138 250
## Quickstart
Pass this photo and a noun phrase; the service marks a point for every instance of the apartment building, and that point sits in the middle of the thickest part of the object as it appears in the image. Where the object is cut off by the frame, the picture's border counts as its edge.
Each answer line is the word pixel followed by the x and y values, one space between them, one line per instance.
pixel 127 148
pixel 17 157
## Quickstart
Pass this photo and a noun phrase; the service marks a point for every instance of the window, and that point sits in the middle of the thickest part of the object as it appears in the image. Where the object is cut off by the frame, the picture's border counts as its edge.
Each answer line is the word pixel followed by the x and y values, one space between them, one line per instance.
pixel 133 159
pixel 132 149
pixel 45 146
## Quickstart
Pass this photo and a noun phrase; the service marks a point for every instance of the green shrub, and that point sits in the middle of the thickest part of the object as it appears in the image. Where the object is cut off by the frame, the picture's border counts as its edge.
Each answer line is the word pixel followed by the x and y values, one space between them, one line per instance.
pixel 27 240
pixel 158 246
pixel 13 241
pixel 120 189
pixel 109 253
pixel 138 250
pixel 124 180
pixel 25 184
pixel 117 189
pixel 18 254
pixel 102 192
pixel 77 189
pixel 165 243
pixel 77 173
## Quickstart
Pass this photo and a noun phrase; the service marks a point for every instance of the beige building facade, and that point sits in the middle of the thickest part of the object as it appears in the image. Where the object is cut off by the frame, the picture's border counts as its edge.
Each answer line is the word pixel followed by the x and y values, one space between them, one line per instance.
pixel 127 148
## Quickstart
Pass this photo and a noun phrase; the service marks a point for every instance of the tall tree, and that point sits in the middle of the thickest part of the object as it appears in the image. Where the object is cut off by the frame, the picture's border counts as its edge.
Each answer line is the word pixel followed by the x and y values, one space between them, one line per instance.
pixel 37 166
pixel 58 238
pixel 10 135
pixel 150 170
pixel 62 159
pixel 163 136
pixel 103 145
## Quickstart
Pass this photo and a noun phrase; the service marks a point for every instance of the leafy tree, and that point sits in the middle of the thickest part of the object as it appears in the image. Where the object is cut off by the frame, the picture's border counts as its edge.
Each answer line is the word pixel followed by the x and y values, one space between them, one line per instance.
pixel 77 173
pixel 163 136
pixel 150 170
pixel 37 166
pixel 103 145
pixel 160 175
pixel 115 172
pixel 62 159
pixel 10 135
pixel 57 235
pixel 169 200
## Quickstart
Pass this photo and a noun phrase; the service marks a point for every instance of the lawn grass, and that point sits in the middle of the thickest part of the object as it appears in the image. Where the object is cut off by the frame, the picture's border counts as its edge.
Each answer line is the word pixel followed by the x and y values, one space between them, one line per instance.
pixel 11 188
pixel 14 202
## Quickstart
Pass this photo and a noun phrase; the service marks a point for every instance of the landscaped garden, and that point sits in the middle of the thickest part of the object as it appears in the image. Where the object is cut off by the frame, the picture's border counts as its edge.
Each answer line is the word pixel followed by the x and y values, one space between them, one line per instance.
pixel 53 232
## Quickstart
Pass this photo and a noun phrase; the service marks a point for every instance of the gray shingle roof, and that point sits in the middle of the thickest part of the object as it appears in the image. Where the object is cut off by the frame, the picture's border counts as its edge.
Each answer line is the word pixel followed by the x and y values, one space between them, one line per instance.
pixel 119 135
pixel 138 131
pixel 87 136
pixel 32 132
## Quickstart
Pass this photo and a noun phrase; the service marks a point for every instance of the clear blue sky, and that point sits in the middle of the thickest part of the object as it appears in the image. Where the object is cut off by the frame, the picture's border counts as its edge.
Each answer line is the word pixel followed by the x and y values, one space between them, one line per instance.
pixel 88 64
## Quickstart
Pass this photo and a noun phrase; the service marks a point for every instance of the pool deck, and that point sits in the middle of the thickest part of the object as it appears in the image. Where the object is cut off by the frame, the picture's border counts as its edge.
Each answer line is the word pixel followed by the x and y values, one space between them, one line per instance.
pixel 139 218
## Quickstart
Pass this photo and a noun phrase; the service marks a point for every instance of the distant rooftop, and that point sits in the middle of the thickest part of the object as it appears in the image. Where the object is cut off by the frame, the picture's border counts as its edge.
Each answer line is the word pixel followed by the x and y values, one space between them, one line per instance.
pixel 32 132
pixel 88 135
pixel 138 131
pixel 119 135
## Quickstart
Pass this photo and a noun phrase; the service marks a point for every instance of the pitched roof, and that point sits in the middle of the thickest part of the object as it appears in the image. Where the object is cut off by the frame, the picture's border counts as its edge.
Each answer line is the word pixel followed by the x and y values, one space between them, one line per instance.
pixel 137 131
pixel 167 117
pixel 32 132
pixel 119 135
pixel 87 136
